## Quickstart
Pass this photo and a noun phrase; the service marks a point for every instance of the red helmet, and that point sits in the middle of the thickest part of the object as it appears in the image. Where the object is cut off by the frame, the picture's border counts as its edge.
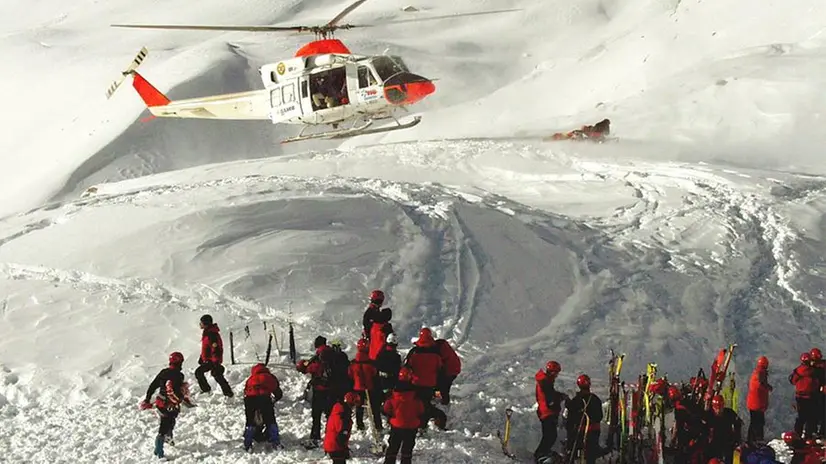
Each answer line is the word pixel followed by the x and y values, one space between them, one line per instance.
pixel 715 461
pixel 816 354
pixel 553 367
pixel 405 374
pixel 426 336
pixel 763 362
pixel 805 358
pixel 176 359
pixel 789 437
pixel 363 345
pixel 352 399
pixel 674 393
pixel 377 297
pixel 718 402
pixel 583 381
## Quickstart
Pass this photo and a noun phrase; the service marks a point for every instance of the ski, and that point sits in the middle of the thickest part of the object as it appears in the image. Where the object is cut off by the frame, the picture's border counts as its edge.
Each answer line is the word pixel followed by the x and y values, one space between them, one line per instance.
pixel 377 447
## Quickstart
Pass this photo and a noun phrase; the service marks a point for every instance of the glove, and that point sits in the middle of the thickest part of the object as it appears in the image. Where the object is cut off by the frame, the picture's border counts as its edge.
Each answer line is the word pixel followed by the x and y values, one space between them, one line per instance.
pixel 145 405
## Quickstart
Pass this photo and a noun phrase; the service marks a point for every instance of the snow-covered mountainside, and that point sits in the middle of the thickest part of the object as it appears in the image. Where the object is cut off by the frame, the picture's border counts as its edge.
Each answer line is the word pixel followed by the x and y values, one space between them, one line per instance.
pixel 701 227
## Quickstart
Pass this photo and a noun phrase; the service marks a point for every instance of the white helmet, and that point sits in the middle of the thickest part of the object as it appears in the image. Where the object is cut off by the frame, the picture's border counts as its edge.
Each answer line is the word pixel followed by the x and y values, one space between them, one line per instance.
pixel 391 339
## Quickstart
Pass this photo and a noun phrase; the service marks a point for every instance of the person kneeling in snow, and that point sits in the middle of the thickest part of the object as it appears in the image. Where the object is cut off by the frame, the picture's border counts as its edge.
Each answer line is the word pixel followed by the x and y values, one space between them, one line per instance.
pixel 405 409
pixel 260 392
pixel 339 426
pixel 173 392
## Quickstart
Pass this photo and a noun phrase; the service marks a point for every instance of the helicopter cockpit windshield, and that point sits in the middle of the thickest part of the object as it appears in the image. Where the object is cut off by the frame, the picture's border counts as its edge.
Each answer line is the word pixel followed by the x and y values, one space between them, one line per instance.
pixel 387 66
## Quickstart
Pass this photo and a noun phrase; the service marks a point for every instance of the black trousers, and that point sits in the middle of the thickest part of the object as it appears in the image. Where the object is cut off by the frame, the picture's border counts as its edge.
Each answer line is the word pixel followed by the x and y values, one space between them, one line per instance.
pixel 217 372
pixel 262 405
pixel 757 422
pixel 591 445
pixel 400 439
pixel 168 418
pixel 820 419
pixel 339 457
pixel 549 435
pixel 444 383
pixel 807 415
pixel 320 405
pixel 430 411
pixel 375 407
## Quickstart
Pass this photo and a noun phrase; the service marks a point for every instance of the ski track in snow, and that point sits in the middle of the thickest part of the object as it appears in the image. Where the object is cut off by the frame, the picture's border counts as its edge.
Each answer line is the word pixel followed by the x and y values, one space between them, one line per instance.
pixel 438 240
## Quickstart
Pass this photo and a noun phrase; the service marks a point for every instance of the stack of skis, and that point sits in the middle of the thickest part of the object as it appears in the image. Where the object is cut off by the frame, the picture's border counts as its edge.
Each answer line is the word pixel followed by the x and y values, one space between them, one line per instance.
pixel 636 413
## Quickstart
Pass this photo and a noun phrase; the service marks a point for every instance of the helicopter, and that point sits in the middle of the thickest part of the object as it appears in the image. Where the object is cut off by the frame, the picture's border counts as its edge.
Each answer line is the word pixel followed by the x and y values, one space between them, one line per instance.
pixel 324 85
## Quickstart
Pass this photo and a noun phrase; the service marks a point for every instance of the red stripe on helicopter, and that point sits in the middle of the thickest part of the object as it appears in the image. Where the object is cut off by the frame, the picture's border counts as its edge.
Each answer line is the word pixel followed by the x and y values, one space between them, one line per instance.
pixel 149 94
pixel 321 47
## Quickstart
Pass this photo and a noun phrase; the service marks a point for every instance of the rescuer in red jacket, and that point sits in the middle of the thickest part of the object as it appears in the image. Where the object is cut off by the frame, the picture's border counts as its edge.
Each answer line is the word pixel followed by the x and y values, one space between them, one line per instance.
pixel 548 406
pixel 426 362
pixel 379 330
pixel 320 369
pixel 451 368
pixel 758 399
pixel 819 366
pixel 405 409
pixel 261 390
pixel 172 392
pixel 363 374
pixel 376 300
pixel 806 390
pixel 339 426
pixel 212 357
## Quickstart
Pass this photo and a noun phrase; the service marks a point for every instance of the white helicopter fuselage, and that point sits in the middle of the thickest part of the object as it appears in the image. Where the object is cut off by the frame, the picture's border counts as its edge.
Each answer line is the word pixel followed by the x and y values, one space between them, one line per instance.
pixel 289 86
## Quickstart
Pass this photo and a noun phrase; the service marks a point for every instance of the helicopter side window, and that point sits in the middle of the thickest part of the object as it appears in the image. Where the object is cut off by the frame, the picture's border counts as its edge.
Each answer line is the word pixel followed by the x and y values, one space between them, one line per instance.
pixel 366 78
pixel 329 88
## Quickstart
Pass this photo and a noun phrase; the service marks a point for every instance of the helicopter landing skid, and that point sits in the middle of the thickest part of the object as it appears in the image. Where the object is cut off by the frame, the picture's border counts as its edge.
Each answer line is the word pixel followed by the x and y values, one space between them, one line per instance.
pixel 362 129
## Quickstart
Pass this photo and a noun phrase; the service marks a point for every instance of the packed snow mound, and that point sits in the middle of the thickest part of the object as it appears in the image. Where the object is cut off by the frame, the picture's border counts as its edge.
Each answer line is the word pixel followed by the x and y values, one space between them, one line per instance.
pixel 680 261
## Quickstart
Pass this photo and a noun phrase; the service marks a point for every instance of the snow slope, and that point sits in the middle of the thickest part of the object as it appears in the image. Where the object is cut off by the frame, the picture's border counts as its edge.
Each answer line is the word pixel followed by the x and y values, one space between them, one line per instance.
pixel 703 226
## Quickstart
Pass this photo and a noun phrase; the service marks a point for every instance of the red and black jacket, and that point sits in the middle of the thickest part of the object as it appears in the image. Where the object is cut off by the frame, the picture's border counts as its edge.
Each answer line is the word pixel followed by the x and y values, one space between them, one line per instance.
pixel 170 385
pixel 758 398
pixel 426 362
pixel 262 382
pixel 212 347
pixel 451 363
pixel 339 425
pixel 379 330
pixel 548 400
pixel 404 409
pixel 805 381
pixel 320 368
pixel 362 372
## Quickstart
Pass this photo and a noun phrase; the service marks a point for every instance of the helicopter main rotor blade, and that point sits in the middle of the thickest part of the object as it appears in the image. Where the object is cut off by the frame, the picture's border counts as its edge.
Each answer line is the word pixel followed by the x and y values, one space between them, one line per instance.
pixel 217 28
pixel 432 18
pixel 344 13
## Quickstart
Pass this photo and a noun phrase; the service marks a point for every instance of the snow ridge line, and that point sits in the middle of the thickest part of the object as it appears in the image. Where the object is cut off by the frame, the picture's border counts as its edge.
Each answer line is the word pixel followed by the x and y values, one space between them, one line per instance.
pixel 195 299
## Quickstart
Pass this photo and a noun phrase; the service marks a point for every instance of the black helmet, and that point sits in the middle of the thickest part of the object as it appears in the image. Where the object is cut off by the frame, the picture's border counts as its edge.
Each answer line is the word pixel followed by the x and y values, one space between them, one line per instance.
pixel 319 341
pixel 206 319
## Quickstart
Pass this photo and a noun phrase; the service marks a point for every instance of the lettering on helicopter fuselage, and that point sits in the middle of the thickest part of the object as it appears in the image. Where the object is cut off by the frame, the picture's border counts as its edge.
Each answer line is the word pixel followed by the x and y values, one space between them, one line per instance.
pixel 286 109
pixel 369 95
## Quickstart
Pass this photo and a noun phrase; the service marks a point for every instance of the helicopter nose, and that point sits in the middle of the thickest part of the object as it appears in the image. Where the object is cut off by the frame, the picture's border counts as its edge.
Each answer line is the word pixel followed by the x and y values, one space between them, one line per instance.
pixel 407 88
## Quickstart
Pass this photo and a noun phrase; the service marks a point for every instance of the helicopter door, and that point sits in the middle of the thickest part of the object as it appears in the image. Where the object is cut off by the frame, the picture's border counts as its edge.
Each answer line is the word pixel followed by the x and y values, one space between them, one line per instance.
pixel 285 101
pixel 352 82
